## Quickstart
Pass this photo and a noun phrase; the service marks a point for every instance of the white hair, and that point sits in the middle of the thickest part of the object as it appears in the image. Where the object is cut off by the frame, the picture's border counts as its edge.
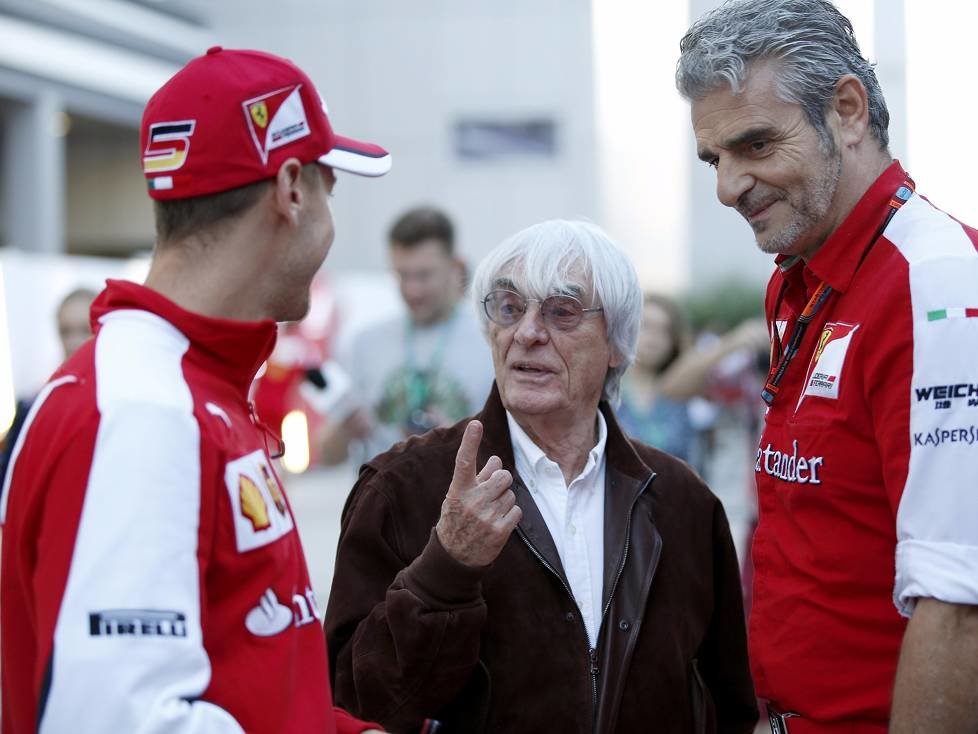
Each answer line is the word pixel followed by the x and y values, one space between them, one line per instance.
pixel 546 258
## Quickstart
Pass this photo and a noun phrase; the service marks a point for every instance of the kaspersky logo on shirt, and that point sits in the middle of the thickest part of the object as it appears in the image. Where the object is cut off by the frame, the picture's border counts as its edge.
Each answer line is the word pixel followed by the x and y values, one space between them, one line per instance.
pixel 788 467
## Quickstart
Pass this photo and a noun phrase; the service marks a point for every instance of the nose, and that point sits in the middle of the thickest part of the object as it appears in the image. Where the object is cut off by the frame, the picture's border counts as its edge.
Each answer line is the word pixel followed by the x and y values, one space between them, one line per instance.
pixel 530 329
pixel 733 181
pixel 413 288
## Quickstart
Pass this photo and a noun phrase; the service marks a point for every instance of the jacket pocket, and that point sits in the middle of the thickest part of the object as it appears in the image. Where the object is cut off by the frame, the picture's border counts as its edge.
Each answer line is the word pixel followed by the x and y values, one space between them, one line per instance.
pixel 704 714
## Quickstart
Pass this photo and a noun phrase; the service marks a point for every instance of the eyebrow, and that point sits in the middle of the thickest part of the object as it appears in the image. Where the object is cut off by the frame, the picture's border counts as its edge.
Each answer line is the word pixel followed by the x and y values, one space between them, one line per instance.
pixel 571 289
pixel 750 134
pixel 505 283
pixel 567 289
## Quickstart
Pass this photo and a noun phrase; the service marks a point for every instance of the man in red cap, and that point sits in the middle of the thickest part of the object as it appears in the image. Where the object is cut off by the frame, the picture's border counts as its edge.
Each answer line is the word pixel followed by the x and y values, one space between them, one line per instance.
pixel 153 578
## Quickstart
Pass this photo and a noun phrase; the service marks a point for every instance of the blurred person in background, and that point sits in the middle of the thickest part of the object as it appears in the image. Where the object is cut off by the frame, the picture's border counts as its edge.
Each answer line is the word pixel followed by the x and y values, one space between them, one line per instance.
pixel 153 578
pixel 73 322
pixel 533 569
pixel 649 410
pixel 669 371
pixel 417 371
pixel 865 609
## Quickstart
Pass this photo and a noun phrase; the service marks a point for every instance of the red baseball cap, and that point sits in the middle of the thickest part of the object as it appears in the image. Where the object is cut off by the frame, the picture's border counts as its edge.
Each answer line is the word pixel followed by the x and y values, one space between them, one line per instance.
pixel 232 117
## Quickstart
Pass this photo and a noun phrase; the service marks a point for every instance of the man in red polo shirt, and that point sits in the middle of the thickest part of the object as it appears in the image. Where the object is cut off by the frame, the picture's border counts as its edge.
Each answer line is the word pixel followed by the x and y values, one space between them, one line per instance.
pixel 867 466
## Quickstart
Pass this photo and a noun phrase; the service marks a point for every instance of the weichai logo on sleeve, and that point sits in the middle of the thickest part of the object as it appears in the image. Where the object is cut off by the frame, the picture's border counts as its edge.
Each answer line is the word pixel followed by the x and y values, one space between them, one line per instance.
pixel 276 119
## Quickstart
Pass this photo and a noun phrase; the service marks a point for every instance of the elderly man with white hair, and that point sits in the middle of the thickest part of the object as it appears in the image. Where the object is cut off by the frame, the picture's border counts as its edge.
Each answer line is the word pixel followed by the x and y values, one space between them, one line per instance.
pixel 533 569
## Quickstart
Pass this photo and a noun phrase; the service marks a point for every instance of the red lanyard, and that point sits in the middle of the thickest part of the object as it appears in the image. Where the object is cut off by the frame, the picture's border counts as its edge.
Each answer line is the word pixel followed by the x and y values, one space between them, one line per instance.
pixel 815 303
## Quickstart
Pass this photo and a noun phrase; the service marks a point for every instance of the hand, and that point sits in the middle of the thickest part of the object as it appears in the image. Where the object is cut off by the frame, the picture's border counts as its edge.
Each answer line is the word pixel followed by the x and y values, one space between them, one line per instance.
pixel 480 511
pixel 751 334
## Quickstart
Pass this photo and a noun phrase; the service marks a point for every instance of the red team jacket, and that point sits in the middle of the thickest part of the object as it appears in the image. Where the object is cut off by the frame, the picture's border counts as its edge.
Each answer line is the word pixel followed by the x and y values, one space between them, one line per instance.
pixel 866 468
pixel 152 576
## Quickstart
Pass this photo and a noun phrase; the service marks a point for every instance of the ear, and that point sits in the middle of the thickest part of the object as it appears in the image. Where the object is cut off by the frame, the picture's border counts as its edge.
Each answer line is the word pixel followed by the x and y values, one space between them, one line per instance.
pixel 850 104
pixel 615 360
pixel 460 269
pixel 289 196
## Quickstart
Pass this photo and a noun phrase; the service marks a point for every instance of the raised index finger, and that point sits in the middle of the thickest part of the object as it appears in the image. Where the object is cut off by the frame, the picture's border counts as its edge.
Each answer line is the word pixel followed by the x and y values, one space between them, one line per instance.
pixel 465 460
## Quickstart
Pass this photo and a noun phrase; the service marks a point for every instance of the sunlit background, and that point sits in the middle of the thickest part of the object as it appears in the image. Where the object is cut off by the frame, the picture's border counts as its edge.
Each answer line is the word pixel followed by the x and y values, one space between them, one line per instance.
pixel 503 113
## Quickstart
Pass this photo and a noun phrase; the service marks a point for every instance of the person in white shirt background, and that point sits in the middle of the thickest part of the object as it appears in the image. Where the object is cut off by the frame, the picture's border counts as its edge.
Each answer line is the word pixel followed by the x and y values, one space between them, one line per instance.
pixel 425 367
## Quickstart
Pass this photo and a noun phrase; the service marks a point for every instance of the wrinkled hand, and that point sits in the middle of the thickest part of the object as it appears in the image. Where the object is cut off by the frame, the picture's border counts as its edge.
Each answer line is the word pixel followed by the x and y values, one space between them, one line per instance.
pixel 479 512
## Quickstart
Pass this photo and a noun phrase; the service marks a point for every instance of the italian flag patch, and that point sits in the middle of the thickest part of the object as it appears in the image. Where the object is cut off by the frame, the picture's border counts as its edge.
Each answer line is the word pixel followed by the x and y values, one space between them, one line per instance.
pixel 952 313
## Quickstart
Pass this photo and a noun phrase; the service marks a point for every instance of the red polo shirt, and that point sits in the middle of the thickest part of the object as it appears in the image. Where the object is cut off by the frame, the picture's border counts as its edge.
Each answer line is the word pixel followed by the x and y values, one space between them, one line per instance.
pixel 867 469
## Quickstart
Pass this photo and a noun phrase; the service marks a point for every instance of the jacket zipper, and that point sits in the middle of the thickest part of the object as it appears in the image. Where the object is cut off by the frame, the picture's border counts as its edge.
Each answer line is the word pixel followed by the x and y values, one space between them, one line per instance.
pixel 624 560
pixel 265 433
pixel 593 667
pixel 592 652
pixel 628 543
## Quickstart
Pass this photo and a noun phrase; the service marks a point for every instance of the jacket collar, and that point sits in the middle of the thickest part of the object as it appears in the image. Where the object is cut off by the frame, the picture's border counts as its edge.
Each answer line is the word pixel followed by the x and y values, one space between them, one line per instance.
pixel 626 477
pixel 837 260
pixel 497 441
pixel 233 349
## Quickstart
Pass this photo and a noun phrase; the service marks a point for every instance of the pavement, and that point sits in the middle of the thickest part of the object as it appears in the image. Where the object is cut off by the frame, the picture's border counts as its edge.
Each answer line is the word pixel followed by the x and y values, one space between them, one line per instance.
pixel 317 497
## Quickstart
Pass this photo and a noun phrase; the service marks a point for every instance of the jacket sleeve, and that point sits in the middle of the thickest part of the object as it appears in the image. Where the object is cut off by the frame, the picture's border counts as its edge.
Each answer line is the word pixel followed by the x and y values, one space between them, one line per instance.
pixel 346 724
pixel 723 653
pixel 127 651
pixel 403 633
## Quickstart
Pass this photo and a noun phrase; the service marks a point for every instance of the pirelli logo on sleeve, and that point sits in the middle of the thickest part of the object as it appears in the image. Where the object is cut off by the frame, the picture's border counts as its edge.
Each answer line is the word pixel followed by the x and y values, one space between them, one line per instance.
pixel 259 511
pixel 137 623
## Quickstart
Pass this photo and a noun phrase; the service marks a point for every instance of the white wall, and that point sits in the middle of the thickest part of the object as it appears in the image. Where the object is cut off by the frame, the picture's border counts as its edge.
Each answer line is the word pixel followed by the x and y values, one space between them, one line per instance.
pixel 643 130
pixel 108 210
pixel 31 288
pixel 942 106
pixel 402 73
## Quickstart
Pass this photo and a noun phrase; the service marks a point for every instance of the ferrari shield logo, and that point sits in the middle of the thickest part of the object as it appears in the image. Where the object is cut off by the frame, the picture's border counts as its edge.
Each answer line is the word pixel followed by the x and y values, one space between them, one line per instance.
pixel 826 367
pixel 259 113
pixel 276 119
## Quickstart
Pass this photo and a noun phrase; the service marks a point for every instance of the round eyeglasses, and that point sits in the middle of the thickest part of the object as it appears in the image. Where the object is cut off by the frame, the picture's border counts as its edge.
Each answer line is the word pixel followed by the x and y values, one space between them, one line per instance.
pixel 558 312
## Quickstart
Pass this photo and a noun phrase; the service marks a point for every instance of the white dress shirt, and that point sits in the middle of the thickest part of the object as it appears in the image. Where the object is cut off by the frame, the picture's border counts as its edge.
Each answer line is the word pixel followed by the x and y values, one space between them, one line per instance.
pixel 574 515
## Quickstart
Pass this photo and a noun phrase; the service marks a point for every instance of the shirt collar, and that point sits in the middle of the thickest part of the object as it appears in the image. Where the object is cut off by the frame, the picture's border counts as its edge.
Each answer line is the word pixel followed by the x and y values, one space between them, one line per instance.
pixel 233 349
pixel 528 456
pixel 837 259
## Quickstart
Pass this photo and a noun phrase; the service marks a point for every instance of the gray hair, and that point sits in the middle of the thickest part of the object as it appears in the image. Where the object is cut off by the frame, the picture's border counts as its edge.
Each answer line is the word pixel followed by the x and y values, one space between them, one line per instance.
pixel 545 258
pixel 811 41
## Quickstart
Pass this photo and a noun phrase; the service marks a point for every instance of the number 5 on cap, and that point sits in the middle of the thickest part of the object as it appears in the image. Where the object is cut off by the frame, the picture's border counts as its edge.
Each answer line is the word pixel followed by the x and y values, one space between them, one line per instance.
pixel 167 146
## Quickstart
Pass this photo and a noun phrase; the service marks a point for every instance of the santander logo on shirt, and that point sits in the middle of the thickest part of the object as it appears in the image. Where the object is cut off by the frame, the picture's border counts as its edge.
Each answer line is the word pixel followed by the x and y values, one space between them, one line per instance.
pixel 788 467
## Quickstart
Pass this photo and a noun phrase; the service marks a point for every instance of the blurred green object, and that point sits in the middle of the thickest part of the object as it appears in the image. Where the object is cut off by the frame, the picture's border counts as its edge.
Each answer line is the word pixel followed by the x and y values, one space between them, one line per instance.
pixel 723 305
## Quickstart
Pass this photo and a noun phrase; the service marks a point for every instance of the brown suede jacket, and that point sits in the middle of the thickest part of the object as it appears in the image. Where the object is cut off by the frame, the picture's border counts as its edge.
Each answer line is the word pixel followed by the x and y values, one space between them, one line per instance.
pixel 413 634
